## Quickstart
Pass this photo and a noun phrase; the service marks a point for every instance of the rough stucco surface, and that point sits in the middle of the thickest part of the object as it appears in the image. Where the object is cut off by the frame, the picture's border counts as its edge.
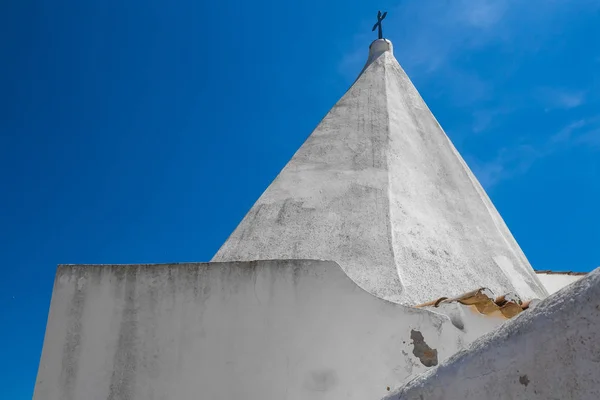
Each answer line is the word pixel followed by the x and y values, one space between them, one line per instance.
pixel 296 329
pixel 550 352
pixel 379 188
pixel 555 282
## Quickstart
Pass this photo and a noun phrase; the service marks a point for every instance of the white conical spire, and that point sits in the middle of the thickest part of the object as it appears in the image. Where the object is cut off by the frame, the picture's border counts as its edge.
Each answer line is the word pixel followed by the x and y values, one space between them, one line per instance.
pixel 379 188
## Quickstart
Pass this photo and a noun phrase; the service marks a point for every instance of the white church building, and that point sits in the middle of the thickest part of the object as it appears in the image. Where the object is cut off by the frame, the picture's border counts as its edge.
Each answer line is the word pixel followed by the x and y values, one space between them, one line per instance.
pixel 374 266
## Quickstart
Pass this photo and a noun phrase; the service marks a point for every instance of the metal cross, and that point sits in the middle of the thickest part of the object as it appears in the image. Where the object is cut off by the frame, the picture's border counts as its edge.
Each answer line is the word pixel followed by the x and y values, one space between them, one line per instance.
pixel 378 24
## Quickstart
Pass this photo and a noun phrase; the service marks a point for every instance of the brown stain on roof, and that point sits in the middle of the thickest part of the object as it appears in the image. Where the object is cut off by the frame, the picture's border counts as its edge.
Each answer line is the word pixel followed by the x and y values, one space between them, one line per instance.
pixel 483 301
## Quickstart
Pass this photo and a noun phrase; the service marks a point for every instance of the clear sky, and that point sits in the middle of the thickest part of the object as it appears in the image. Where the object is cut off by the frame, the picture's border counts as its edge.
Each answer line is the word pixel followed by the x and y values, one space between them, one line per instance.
pixel 142 131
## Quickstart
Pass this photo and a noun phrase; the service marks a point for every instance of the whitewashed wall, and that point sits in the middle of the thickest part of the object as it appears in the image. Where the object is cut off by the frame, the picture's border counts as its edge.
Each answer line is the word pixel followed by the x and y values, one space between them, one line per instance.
pixel 250 330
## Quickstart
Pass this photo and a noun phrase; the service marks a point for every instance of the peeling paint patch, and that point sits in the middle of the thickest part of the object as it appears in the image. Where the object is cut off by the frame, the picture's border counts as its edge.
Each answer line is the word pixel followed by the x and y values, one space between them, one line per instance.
pixel 426 354
pixel 524 380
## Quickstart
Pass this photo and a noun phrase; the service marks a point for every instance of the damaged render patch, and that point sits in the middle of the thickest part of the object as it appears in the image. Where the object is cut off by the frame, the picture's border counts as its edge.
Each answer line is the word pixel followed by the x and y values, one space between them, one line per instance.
pixel 426 354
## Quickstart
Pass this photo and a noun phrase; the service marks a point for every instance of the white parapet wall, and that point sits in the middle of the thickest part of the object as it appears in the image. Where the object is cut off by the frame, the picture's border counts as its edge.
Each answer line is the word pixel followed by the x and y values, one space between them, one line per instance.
pixel 555 281
pixel 297 329
pixel 549 352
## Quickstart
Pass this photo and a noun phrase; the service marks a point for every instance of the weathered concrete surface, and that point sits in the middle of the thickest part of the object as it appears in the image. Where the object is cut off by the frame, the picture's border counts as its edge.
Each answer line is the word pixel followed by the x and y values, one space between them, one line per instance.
pixel 555 281
pixel 550 352
pixel 296 329
pixel 379 188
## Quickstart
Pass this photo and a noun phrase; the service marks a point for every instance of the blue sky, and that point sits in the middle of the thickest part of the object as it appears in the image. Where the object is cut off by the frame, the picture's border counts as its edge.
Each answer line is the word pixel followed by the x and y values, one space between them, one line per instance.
pixel 142 131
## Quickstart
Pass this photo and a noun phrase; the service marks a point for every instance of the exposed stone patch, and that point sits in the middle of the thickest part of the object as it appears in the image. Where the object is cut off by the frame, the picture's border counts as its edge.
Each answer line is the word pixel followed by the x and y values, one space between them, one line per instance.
pixel 426 354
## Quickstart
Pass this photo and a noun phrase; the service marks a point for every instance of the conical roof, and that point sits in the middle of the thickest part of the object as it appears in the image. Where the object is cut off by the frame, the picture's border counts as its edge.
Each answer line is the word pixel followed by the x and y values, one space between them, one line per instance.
pixel 379 188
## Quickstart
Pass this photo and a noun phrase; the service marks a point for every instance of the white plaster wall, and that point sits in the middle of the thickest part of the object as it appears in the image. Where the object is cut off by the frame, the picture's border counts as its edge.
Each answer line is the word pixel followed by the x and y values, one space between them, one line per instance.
pixel 379 188
pixel 554 282
pixel 469 321
pixel 296 329
pixel 550 352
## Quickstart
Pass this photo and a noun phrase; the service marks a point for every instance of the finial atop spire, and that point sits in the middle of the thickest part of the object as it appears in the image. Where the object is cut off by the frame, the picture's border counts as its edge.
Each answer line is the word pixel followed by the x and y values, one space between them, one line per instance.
pixel 380 18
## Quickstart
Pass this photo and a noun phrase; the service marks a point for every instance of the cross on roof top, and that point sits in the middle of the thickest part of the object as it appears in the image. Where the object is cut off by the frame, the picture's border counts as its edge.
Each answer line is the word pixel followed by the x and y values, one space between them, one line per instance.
pixel 380 18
